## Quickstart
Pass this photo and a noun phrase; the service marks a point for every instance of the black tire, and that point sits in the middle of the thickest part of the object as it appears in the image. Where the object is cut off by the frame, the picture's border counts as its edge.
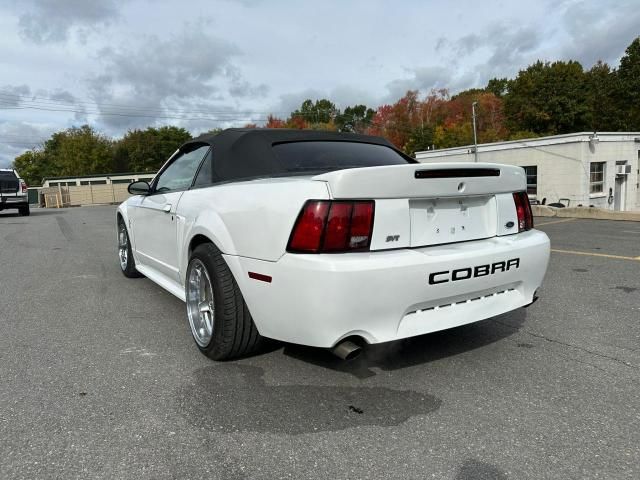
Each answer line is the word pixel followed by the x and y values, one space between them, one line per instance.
pixel 24 211
pixel 129 270
pixel 234 333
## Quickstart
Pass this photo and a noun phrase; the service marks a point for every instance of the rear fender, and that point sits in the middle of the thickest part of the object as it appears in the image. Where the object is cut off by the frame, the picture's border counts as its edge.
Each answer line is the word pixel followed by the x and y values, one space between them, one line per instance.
pixel 208 224
pixel 248 219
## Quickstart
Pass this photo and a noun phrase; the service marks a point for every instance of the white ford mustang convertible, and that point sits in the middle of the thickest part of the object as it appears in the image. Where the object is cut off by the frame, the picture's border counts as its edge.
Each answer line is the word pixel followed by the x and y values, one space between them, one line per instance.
pixel 328 239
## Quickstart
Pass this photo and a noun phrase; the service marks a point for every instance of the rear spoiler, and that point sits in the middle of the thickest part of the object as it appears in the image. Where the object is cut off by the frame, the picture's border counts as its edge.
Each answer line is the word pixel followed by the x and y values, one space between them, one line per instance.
pixel 424 180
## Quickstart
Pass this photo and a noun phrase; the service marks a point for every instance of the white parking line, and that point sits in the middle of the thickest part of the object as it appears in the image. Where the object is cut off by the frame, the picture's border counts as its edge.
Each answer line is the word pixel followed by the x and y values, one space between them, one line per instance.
pixel 590 254
pixel 555 221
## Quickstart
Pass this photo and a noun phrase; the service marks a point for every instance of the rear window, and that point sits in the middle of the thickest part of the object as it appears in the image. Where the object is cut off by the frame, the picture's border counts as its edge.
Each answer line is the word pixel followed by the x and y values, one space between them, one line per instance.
pixel 326 156
pixel 7 175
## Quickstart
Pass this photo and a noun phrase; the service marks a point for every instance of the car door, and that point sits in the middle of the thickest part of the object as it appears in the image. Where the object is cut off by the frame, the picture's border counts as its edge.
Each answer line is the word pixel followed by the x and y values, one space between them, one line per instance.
pixel 154 223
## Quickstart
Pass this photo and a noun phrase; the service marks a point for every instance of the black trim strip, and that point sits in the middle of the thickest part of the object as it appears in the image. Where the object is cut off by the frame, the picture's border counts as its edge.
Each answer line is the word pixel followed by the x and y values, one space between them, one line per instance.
pixel 458 172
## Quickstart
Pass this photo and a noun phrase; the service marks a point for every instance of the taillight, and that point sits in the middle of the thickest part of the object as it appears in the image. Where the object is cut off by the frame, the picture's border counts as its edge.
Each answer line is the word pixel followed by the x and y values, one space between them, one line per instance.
pixel 332 226
pixel 307 233
pixel 24 187
pixel 523 209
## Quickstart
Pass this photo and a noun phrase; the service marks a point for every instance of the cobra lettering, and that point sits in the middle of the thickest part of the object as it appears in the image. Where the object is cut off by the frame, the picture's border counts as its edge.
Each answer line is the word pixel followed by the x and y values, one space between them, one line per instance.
pixel 466 273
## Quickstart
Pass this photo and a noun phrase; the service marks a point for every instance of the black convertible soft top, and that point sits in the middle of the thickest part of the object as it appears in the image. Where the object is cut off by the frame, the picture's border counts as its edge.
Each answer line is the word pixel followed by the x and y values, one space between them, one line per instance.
pixel 246 153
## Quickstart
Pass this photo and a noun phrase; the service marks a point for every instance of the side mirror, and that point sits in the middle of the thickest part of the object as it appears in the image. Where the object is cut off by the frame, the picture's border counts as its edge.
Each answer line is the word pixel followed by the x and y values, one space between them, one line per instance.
pixel 139 188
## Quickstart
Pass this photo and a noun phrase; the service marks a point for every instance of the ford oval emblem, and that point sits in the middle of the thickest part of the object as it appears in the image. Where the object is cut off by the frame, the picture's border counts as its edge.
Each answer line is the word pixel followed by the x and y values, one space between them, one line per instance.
pixel 509 224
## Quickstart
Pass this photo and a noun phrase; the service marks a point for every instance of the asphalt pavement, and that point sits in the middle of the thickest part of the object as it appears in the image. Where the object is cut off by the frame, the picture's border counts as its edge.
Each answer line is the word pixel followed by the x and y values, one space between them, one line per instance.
pixel 100 378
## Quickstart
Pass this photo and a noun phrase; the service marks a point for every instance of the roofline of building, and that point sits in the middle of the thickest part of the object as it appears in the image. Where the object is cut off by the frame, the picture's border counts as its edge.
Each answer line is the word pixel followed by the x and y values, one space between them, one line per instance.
pixel 533 142
pixel 110 175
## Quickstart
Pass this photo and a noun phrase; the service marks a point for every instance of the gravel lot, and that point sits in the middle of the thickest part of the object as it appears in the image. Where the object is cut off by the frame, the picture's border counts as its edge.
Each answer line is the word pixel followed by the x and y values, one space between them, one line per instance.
pixel 99 376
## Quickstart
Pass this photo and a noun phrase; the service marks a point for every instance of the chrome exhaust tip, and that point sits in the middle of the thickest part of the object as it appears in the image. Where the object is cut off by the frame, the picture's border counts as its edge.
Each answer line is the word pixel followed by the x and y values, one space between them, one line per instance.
pixel 346 350
pixel 533 300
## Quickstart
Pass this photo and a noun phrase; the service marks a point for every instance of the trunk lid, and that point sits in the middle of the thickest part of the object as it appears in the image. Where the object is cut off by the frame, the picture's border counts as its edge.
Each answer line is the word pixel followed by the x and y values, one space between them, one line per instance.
pixel 431 204
pixel 433 180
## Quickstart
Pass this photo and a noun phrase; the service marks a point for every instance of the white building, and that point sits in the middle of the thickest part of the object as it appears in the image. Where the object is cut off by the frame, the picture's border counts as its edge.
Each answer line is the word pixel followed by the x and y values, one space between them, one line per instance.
pixel 105 179
pixel 588 169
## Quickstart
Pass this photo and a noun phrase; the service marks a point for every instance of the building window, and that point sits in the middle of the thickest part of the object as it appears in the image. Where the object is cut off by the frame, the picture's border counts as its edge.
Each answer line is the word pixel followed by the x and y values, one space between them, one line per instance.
pixel 532 179
pixel 596 178
pixel 93 182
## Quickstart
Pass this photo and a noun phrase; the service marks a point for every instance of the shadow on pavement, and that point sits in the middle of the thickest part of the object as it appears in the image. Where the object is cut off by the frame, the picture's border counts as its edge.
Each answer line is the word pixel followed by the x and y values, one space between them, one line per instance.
pixel 416 350
pixel 473 469
pixel 35 212
pixel 229 398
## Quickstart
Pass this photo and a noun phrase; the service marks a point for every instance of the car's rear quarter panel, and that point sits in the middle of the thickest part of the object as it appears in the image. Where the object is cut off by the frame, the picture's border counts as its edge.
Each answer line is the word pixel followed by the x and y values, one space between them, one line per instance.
pixel 250 219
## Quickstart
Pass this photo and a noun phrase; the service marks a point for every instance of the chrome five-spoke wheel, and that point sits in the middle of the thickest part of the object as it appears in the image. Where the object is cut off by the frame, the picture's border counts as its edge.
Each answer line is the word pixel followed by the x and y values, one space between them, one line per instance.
pixel 125 255
pixel 123 246
pixel 200 302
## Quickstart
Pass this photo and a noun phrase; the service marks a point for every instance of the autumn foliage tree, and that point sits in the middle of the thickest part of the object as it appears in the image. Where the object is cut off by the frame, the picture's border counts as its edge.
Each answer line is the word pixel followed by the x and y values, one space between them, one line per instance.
pixel 275 122
pixel 410 122
pixel 437 120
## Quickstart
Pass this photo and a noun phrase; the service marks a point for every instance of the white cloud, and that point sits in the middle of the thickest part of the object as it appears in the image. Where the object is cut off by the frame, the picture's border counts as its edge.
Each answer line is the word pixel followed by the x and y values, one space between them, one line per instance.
pixel 43 21
pixel 229 62
pixel 16 137
pixel 421 78
pixel 599 31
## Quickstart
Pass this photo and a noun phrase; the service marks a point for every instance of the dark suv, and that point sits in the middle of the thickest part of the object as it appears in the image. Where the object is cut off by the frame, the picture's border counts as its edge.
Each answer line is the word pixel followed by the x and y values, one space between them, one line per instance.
pixel 13 192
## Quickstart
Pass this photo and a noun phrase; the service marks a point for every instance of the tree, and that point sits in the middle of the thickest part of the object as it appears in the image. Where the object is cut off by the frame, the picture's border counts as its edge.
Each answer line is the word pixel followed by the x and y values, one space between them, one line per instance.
pixel 453 135
pixel 603 111
pixel 419 139
pixel 472 93
pixel 322 111
pixel 146 150
pixel 169 139
pixel 297 122
pixel 275 122
pixel 548 98
pixel 628 87
pixel 136 151
pixel 33 165
pixel 354 119
pixel 498 86
pixel 75 151
pixel 490 119
pixel 410 122
pixel 396 122
pixel 386 124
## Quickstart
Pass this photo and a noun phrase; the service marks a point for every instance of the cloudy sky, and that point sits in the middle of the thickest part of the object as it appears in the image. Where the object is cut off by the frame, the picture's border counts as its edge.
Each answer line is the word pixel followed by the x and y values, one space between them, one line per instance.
pixel 121 64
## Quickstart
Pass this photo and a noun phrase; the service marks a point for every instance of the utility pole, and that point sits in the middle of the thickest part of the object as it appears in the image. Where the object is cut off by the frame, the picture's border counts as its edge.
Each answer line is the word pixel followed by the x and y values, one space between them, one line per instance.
pixel 475 136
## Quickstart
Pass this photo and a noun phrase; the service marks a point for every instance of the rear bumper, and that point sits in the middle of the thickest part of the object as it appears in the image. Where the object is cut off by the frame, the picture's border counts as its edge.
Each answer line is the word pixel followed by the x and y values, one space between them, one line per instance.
pixel 13 201
pixel 381 296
